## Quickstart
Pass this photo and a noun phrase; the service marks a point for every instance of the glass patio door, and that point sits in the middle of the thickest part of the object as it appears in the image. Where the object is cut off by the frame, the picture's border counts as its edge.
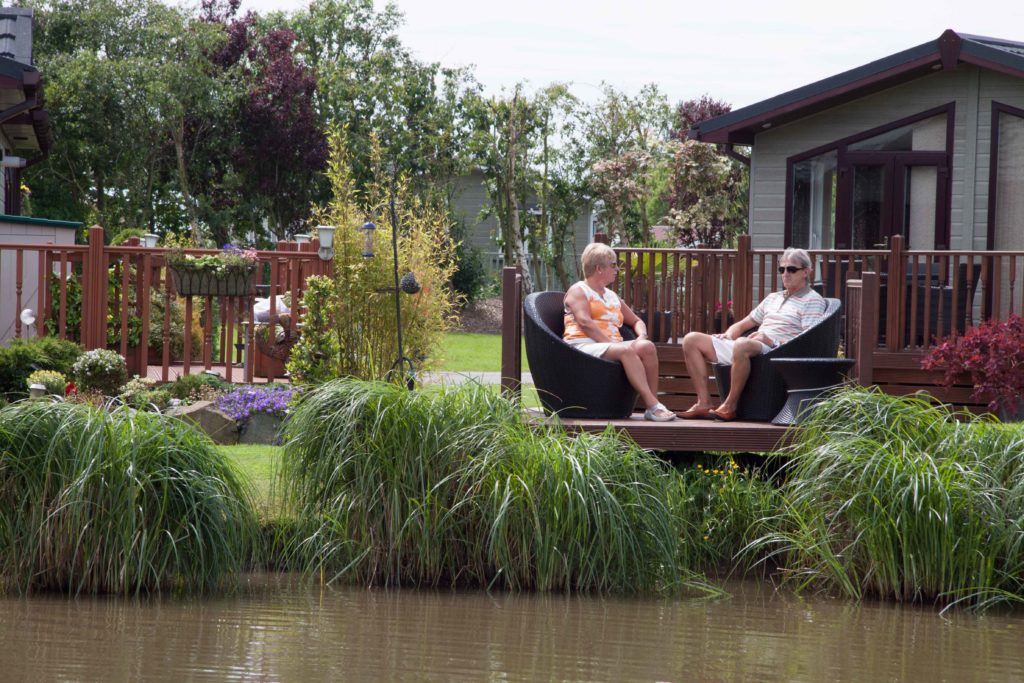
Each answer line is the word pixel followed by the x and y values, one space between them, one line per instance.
pixel 882 194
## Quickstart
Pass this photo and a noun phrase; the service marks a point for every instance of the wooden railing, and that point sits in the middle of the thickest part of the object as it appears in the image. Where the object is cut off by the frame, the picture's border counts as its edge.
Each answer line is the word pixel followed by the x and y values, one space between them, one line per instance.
pixel 103 296
pixel 942 292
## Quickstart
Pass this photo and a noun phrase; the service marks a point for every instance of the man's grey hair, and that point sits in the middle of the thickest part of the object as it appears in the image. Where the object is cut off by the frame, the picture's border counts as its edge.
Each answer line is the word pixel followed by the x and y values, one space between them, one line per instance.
pixel 801 257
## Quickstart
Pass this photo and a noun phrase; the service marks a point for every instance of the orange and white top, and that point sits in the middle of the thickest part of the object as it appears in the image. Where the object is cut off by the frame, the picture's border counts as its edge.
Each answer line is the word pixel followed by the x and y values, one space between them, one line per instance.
pixel 605 309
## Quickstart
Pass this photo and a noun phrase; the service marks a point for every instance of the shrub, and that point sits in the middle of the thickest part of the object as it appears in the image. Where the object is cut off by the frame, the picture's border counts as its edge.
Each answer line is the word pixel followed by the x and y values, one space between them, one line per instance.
pixel 153 399
pixel 993 354
pixel 360 312
pixel 100 370
pixel 21 357
pixel 124 235
pixel 51 379
pixel 122 501
pixel 450 487
pixel 201 387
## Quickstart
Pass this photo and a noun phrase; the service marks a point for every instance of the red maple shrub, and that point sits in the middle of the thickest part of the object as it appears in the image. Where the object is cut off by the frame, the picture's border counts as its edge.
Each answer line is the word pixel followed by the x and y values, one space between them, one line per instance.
pixel 992 353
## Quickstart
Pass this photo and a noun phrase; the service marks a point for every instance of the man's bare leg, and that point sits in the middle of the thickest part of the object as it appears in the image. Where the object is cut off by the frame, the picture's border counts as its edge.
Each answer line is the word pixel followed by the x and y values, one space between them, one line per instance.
pixel 698 350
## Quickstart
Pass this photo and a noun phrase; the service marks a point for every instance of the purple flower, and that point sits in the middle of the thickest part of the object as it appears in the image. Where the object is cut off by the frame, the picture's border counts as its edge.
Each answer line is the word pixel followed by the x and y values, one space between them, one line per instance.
pixel 241 403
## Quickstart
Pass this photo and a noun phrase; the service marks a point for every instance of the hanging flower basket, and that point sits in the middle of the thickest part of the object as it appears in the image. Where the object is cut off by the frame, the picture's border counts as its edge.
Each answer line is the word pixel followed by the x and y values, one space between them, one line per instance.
pixel 189 282
pixel 227 273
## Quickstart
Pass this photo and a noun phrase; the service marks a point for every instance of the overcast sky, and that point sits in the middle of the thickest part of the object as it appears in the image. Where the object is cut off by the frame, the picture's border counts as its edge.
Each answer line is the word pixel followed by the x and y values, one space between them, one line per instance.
pixel 740 51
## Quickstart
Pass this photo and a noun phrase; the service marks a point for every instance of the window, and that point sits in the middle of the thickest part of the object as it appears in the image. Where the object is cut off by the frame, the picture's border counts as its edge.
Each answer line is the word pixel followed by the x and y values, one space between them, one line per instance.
pixel 859 191
pixel 927 135
pixel 814 205
pixel 1006 201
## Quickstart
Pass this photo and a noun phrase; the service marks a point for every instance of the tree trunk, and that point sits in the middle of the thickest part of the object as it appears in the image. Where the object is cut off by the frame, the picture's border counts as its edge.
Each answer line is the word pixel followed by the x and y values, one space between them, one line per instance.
pixel 514 227
pixel 178 135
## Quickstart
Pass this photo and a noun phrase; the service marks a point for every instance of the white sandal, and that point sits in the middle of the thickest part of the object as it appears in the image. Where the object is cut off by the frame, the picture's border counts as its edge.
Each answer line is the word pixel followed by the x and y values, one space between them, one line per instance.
pixel 652 413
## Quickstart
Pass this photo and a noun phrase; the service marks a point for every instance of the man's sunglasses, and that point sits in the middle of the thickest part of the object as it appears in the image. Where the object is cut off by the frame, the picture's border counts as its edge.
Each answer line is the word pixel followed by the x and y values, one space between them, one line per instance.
pixel 789 269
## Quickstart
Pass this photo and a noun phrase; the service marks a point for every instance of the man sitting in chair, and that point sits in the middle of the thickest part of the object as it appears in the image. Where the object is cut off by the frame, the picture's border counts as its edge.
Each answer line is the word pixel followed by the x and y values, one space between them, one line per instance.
pixel 593 316
pixel 779 318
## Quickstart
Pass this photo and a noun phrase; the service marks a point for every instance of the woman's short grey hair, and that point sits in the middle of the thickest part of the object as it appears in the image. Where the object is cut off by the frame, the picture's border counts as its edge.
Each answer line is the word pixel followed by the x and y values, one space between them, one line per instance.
pixel 801 257
pixel 596 254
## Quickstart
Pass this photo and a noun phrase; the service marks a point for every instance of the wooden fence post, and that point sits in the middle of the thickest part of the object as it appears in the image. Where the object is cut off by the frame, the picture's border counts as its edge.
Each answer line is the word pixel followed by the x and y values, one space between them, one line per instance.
pixel 744 275
pixel 94 292
pixel 511 331
pixel 862 324
pixel 895 310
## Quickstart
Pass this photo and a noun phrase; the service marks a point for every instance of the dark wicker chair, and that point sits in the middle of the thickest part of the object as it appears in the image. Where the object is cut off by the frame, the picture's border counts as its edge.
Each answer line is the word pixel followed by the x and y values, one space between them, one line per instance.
pixel 568 381
pixel 765 392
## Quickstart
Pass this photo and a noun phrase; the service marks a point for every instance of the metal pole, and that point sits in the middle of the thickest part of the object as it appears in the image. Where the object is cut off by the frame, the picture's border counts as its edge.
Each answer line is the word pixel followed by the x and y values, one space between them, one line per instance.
pixel 402 362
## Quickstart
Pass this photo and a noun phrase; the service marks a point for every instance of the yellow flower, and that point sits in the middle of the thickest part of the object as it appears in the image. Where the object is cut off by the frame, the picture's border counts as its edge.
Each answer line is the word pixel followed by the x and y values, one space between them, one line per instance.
pixel 706 537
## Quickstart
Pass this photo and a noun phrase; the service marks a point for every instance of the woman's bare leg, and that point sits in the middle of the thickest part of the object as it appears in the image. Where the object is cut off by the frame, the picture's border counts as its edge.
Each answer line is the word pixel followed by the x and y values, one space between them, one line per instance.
pixel 636 373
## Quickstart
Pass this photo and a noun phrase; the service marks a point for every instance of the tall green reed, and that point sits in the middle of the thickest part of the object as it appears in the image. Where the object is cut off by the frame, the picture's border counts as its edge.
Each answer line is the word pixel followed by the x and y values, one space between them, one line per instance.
pixel 897 497
pixel 451 487
pixel 125 502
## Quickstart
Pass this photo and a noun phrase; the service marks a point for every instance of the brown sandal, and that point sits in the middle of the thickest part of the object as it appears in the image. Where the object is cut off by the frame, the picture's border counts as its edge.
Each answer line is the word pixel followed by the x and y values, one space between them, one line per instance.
pixel 696 413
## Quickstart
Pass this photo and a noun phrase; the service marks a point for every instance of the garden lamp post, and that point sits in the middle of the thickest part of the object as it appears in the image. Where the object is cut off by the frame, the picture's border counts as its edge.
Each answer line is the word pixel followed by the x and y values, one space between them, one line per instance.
pixel 403 365
pixel 149 240
pixel 326 235
pixel 301 238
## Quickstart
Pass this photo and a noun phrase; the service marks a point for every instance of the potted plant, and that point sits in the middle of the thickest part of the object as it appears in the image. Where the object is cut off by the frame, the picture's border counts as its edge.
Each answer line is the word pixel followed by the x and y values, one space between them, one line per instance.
pixel 993 354
pixel 227 273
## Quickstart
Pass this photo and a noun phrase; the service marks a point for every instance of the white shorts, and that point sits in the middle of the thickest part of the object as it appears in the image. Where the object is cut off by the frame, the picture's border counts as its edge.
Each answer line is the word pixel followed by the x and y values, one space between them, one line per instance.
pixel 723 349
pixel 590 347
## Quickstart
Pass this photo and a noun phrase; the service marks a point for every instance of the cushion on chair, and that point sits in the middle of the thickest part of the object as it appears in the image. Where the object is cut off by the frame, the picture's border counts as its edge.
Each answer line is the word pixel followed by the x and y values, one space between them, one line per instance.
pixel 765 391
pixel 568 381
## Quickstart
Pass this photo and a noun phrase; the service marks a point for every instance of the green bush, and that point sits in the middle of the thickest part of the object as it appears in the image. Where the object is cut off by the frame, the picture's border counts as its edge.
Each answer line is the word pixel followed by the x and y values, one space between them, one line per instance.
pixel 122 501
pixel 197 387
pixel 21 357
pixel 360 313
pixel 470 276
pixel 54 381
pixel 158 399
pixel 100 370
pixel 123 236
pixel 451 487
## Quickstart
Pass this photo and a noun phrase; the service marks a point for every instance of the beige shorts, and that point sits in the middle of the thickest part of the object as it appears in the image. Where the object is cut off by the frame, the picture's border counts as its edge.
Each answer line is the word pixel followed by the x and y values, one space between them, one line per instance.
pixel 591 347
pixel 723 349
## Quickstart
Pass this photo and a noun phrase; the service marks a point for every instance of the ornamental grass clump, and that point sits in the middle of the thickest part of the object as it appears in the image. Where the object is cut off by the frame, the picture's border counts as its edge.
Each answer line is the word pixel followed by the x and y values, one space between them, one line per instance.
pixel 898 498
pixel 121 501
pixel 450 487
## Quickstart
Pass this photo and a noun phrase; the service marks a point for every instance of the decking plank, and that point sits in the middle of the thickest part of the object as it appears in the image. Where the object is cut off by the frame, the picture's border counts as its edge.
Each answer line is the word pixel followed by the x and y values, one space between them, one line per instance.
pixel 693 435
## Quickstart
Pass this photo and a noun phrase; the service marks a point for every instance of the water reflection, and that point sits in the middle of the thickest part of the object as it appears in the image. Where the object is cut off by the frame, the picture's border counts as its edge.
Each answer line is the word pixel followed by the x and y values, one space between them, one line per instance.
pixel 278 630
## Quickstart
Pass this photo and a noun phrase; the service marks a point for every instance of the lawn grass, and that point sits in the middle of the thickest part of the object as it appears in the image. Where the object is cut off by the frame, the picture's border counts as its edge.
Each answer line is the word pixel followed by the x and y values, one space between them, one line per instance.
pixel 256 463
pixel 465 352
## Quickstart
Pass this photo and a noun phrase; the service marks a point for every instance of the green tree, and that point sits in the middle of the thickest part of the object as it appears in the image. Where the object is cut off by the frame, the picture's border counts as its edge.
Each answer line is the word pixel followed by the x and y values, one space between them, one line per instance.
pixel 628 142
pixel 707 190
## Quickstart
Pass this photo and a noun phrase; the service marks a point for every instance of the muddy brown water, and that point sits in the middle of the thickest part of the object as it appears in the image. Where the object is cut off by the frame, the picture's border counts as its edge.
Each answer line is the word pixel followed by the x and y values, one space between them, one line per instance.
pixel 280 630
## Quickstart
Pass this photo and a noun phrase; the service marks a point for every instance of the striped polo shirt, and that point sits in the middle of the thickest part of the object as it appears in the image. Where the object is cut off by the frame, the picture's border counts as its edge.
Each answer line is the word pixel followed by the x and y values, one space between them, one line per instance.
pixel 605 309
pixel 782 316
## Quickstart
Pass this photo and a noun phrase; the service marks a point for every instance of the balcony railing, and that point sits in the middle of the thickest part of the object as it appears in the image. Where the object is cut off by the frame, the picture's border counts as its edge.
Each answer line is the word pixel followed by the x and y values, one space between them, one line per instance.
pixel 105 296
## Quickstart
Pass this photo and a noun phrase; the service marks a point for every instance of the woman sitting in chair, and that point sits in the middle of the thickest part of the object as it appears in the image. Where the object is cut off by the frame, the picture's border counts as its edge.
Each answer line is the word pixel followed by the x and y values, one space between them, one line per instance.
pixel 779 318
pixel 593 316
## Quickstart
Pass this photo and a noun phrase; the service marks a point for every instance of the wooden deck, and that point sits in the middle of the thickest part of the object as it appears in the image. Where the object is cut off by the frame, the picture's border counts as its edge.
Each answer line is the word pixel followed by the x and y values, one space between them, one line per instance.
pixel 694 435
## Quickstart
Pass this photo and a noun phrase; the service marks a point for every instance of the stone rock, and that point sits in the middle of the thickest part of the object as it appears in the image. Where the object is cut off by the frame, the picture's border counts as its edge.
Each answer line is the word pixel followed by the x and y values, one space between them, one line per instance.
pixel 202 415
pixel 262 428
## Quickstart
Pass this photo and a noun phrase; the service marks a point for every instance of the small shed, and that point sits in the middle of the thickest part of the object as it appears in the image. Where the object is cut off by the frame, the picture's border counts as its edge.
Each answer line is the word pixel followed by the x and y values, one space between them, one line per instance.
pixel 24 230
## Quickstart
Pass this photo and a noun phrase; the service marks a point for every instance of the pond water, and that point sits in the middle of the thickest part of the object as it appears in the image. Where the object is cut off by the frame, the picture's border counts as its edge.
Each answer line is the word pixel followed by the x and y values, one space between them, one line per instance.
pixel 279 630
